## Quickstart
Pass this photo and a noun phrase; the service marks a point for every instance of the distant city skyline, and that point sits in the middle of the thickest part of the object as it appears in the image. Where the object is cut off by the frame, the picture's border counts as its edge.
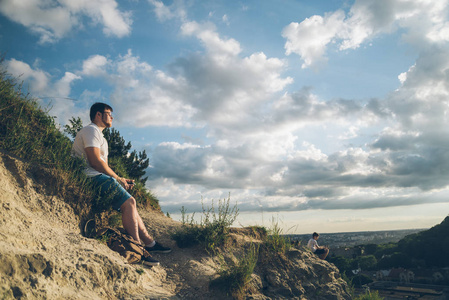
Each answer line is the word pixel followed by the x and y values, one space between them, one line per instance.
pixel 351 239
pixel 328 116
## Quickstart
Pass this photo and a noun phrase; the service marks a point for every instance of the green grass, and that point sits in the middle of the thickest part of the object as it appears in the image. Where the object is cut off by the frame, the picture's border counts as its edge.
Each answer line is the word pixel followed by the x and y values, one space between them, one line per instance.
pixel 29 133
pixel 140 271
pixel 235 274
pixel 211 231
pixel 369 296
pixel 275 241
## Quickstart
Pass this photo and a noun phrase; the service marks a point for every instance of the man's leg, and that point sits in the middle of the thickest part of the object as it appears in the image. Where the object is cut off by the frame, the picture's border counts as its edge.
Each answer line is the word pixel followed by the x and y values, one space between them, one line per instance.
pixel 132 222
pixel 324 255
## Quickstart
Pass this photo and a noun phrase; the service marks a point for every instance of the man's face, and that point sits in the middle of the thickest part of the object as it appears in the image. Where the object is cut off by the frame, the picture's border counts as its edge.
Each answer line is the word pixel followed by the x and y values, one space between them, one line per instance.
pixel 107 118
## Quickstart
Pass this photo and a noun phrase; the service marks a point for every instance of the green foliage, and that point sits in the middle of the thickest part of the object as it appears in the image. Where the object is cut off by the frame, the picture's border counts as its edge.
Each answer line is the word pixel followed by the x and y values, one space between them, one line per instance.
pixel 427 245
pixel 360 280
pixel 275 241
pixel 117 144
pixel 369 296
pixel 258 232
pixel 140 271
pixel 104 238
pixel 411 251
pixel 367 262
pixel 235 274
pixel 395 260
pixel 137 163
pixel 371 249
pixel 76 124
pixel 129 164
pixel 28 132
pixel 343 264
pixel 212 230
pixel 115 219
pixel 385 249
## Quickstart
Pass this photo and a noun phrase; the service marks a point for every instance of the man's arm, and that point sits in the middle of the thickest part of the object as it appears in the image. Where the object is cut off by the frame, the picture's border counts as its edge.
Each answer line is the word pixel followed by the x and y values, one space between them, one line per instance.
pixel 94 160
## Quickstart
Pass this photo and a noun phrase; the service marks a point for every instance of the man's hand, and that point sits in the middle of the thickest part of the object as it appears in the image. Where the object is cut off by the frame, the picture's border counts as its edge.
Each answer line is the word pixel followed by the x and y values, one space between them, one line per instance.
pixel 126 183
pixel 130 183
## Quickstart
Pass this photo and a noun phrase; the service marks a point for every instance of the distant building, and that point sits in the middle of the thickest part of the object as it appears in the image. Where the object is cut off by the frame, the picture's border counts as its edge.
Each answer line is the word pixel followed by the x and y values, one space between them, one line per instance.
pixel 401 275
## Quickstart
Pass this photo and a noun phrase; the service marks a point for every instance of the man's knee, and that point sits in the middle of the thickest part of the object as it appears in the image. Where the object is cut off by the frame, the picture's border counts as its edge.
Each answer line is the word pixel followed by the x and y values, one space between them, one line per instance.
pixel 128 204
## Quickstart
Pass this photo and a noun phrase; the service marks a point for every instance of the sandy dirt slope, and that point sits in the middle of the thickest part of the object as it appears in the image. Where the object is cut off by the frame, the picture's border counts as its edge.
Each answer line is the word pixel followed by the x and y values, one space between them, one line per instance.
pixel 44 256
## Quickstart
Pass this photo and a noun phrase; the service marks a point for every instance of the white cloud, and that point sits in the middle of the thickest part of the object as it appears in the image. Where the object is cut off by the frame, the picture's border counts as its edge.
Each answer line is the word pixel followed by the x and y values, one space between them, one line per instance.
pixel 54 19
pixel 51 94
pixel 95 66
pixel 225 19
pixel 149 95
pixel 206 33
pixel 423 21
pixel 310 37
pixel 163 12
pixel 63 86
pixel 37 80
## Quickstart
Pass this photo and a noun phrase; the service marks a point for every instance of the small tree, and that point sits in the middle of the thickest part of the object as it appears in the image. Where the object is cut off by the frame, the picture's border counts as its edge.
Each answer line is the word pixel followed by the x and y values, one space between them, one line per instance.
pixel 117 144
pixel 75 125
pixel 368 262
pixel 343 264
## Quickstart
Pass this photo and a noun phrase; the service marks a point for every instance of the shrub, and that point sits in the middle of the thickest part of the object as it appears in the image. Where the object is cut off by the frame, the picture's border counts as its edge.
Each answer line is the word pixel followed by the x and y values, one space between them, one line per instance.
pixel 360 280
pixel 275 241
pixel 212 231
pixel 367 262
pixel 235 275
pixel 369 296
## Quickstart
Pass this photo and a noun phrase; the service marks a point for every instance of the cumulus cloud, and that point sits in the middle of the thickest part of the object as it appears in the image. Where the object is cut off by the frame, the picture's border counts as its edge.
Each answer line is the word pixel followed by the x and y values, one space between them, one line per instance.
pixel 163 12
pixel 96 65
pixel 422 21
pixel 310 37
pixel 53 20
pixel 149 95
pixel 38 80
pixel 40 84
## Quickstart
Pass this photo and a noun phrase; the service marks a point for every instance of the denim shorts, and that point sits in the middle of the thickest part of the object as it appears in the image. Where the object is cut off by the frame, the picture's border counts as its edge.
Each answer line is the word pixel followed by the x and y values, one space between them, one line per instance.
pixel 108 186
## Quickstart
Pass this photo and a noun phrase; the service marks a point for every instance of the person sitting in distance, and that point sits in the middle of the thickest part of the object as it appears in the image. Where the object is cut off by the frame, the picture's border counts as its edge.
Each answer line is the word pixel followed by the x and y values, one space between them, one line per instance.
pixel 321 251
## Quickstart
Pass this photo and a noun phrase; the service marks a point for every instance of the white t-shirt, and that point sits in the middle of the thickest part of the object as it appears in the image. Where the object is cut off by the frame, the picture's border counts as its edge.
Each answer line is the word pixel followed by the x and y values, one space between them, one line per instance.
pixel 90 136
pixel 312 244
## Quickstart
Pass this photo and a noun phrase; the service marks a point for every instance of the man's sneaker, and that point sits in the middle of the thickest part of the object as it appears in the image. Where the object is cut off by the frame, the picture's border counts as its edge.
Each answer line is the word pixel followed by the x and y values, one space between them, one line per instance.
pixel 149 261
pixel 158 248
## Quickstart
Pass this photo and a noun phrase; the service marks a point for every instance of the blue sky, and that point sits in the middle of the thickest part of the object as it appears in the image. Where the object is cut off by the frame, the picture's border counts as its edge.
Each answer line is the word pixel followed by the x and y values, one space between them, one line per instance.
pixel 325 116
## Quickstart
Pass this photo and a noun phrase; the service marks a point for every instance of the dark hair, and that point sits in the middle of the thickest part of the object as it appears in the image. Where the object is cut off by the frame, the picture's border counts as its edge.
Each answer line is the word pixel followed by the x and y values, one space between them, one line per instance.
pixel 98 107
pixel 315 234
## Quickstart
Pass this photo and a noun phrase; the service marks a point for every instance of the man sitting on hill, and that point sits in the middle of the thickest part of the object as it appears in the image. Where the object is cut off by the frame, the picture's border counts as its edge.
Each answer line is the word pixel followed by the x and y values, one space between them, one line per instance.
pixel 91 145
pixel 322 251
